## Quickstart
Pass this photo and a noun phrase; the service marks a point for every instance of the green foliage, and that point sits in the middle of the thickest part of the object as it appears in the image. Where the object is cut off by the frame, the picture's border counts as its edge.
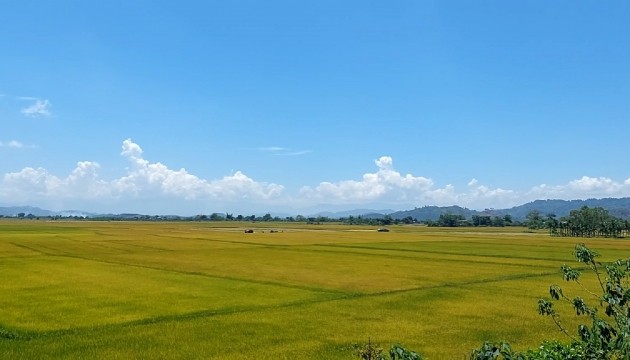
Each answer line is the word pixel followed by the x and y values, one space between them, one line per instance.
pixel 492 351
pixel 398 352
pixel 451 220
pixel 607 337
pixel 589 222
pixel 554 350
pixel 371 351
pixel 535 220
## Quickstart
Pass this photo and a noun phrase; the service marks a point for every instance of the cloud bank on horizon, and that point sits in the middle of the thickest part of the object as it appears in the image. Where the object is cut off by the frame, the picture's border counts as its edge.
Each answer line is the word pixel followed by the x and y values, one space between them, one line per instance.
pixel 147 183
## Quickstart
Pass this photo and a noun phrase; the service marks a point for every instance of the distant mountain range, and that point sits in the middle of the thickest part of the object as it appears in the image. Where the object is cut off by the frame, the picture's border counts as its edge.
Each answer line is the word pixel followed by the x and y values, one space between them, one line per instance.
pixel 619 207
pixel 15 210
pixel 365 213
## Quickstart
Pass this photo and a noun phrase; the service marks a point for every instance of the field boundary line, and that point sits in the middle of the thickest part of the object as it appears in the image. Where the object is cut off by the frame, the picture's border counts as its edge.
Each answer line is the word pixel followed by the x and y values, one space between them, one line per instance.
pixel 195 273
pixel 439 252
pixel 32 335
pixel 407 256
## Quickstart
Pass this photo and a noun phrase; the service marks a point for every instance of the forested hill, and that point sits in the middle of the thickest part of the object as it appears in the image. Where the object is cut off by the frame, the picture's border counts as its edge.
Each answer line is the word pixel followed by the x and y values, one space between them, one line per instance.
pixel 433 212
pixel 616 207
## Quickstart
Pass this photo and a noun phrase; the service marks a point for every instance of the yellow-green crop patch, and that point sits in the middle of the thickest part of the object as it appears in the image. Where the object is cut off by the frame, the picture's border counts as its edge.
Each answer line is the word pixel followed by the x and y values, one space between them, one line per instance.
pixel 201 290
pixel 53 293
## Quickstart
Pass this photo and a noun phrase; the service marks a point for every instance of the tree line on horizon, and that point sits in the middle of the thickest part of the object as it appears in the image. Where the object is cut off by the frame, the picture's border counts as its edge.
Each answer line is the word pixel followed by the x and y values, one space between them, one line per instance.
pixel 583 222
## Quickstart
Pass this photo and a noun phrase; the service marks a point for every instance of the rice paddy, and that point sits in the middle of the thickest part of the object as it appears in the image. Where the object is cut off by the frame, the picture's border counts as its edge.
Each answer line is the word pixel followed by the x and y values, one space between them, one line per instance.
pixel 191 290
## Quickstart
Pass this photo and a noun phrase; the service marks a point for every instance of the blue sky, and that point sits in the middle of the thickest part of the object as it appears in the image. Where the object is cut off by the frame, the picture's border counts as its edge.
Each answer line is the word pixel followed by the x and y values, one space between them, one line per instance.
pixel 284 106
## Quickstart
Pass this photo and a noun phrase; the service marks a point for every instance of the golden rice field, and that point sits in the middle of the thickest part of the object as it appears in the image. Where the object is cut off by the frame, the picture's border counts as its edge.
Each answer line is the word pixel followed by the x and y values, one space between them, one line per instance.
pixel 191 290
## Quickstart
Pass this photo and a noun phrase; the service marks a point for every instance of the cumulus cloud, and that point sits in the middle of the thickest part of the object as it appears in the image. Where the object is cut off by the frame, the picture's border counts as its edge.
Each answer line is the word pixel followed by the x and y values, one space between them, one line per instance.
pixel 388 186
pixel 32 184
pixel 154 182
pixel 240 186
pixel 131 150
pixel 149 178
pixel 144 180
pixel 38 108
pixel 583 188
pixel 385 184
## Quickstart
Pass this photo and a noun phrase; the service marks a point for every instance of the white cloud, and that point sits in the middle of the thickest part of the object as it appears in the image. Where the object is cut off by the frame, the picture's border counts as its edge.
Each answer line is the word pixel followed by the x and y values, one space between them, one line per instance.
pixel 37 108
pixel 272 149
pixel 384 185
pixel 278 150
pixel 34 184
pixel 144 180
pixel 147 182
pixel 12 144
pixel 240 186
pixel 583 188
pixel 131 150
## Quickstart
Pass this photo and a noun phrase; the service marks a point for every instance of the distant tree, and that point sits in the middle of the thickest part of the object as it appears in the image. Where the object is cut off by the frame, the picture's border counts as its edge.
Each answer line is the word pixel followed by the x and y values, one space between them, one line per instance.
pixel 481 220
pixel 534 220
pixel 590 222
pixel 450 220
pixel 498 221
pixel 407 220
pixel 216 217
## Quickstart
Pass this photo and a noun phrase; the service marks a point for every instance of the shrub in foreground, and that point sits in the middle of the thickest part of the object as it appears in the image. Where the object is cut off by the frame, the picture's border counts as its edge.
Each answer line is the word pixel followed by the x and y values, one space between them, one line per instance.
pixel 608 334
pixel 607 337
pixel 371 351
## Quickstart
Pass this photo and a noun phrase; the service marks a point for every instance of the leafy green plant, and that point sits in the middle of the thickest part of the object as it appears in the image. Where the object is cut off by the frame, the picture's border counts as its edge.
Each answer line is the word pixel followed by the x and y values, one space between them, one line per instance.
pixel 398 352
pixel 549 350
pixel 493 351
pixel 371 351
pixel 608 335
